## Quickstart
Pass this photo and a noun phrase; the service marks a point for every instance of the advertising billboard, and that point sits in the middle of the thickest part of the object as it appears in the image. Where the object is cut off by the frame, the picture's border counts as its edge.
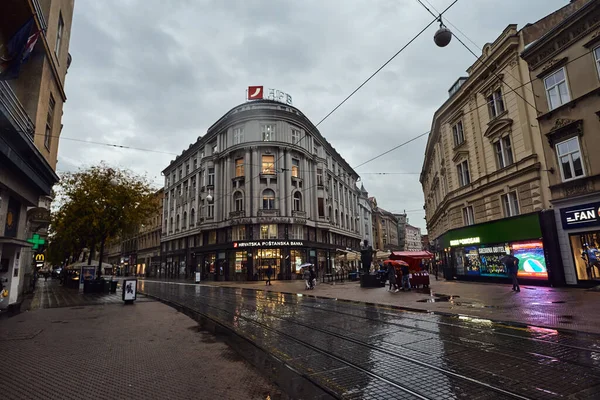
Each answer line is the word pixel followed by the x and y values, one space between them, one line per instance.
pixel 532 262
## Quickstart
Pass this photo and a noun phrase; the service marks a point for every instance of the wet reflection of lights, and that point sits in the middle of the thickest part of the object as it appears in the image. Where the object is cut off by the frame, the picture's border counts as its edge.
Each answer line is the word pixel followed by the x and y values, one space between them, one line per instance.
pixel 299 294
pixel 543 331
pixel 473 320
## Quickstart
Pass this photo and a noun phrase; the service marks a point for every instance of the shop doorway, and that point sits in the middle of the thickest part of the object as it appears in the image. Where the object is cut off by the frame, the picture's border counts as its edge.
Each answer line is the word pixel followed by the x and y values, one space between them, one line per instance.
pixel 266 258
pixel 586 254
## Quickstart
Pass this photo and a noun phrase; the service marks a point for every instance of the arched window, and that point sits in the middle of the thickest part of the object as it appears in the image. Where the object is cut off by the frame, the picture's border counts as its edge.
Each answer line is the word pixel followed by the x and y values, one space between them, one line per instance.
pixel 192 217
pixel 297 201
pixel 342 220
pixel 177 223
pixel 268 199
pixel 238 201
pixel 184 222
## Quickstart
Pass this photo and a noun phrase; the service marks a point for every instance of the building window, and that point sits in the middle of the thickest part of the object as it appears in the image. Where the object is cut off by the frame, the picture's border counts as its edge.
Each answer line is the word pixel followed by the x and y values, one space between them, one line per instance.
pixel 268 164
pixel 319 177
pixel 468 215
pixel 184 221
pixel 238 135
pixel 59 35
pixel 214 149
pixel 239 167
pixel 569 159
pixel 503 150
pixel 268 231
pixel 176 223
pixel 297 232
pixel 210 211
pixel 49 123
pixel 321 207
pixel 495 103
pixel 557 90
pixel 458 133
pixel 239 232
pixel 268 132
pixel 268 199
pixel 192 218
pixel 297 201
pixel 295 136
pixel 510 204
pixel 238 201
pixel 211 177
pixel 295 167
pixel 463 173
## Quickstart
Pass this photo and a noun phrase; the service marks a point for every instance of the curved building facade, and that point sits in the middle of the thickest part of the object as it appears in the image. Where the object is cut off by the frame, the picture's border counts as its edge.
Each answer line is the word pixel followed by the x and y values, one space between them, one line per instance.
pixel 262 188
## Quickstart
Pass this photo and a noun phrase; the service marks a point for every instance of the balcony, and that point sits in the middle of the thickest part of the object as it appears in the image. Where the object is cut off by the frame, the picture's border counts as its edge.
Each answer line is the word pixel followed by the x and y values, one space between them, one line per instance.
pixel 237 214
pixel 299 214
pixel 14 111
pixel 40 14
pixel 268 213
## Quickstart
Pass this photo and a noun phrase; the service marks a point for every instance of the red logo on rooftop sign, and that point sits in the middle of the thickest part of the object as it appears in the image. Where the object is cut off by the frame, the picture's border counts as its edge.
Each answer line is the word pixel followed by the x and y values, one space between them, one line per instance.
pixel 255 92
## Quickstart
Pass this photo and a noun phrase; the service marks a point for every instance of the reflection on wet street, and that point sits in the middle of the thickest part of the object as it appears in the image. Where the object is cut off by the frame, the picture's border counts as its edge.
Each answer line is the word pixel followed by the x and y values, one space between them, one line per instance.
pixel 361 351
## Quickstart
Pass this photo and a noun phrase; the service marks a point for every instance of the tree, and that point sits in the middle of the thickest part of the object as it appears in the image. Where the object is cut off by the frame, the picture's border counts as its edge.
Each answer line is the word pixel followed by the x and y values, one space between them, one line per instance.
pixel 97 204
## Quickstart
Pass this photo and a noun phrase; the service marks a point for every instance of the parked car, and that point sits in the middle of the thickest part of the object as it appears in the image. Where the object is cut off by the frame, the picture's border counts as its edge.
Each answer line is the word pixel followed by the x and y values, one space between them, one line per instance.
pixel 56 272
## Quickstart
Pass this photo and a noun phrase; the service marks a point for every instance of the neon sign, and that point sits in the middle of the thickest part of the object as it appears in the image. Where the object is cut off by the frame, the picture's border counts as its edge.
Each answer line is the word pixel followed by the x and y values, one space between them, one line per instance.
pixel 459 242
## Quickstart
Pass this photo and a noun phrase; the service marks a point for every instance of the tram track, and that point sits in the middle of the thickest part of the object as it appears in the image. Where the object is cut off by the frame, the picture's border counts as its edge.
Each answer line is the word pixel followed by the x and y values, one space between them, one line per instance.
pixel 210 300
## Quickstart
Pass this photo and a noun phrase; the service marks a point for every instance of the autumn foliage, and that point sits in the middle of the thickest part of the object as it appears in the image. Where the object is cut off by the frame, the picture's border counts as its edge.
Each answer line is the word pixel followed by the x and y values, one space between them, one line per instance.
pixel 95 205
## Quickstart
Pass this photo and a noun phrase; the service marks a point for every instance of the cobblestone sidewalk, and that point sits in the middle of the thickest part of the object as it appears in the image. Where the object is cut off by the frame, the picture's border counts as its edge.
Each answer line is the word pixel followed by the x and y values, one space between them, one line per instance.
pixel 143 351
pixel 564 308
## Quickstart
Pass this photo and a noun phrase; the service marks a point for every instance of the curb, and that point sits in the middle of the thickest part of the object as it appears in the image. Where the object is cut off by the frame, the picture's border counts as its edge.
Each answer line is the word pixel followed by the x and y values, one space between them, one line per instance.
pixel 291 381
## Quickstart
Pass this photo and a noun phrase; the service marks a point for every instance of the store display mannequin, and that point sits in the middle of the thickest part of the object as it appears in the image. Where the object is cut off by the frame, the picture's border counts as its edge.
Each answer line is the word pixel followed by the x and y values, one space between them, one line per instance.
pixel 366 256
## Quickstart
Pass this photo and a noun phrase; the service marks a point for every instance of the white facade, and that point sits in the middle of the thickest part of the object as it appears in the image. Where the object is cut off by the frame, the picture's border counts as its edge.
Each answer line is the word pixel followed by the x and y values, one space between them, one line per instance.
pixel 413 238
pixel 365 216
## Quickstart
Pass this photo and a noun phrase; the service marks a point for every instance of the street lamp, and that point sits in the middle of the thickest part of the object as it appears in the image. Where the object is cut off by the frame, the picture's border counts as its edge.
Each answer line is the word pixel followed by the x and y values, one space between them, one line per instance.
pixel 443 36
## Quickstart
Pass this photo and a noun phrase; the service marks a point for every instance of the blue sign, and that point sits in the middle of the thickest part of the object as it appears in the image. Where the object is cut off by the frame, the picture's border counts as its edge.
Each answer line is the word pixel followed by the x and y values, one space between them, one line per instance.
pixel 580 216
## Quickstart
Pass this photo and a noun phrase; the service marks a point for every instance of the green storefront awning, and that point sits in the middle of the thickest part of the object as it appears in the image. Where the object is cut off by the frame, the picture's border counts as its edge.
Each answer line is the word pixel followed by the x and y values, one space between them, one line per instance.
pixel 522 227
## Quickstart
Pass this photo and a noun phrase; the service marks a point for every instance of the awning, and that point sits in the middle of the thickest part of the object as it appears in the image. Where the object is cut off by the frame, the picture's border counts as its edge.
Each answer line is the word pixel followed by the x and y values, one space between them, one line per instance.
pixel 397 255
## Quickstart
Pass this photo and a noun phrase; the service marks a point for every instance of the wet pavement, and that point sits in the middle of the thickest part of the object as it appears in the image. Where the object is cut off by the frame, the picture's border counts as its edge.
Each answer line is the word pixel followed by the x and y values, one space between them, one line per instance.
pixel 562 308
pixel 368 351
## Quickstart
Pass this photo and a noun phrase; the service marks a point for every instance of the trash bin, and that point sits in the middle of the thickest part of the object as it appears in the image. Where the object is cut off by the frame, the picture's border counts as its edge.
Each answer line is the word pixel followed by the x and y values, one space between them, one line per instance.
pixel 113 286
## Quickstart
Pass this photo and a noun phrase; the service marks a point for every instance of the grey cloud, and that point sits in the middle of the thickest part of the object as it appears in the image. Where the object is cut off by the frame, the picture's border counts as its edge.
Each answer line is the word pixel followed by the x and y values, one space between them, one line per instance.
pixel 156 74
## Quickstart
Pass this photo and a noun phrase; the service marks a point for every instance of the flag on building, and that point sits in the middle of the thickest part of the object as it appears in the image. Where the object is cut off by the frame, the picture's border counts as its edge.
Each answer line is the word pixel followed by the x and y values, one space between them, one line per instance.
pixel 11 55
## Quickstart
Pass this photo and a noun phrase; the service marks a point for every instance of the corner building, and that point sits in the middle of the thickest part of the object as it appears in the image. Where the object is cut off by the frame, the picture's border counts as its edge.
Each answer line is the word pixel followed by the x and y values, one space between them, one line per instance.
pixel 262 188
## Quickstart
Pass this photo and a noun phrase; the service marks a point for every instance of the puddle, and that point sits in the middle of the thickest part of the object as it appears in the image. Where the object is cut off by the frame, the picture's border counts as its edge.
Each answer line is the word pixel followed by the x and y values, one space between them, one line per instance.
pixel 439 298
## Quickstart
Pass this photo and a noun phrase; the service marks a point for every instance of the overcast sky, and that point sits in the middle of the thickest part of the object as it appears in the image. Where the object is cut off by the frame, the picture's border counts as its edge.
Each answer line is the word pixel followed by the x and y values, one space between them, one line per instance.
pixel 155 74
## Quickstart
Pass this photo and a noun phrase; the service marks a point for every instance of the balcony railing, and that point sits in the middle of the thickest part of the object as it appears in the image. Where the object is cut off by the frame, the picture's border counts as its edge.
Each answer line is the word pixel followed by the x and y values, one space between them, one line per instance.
pixel 237 214
pixel 40 14
pixel 14 110
pixel 268 213
pixel 299 214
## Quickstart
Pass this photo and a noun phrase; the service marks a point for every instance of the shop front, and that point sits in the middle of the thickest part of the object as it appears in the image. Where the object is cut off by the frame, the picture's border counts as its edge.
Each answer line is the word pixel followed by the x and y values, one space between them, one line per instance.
pixel 251 260
pixel 475 252
pixel 579 237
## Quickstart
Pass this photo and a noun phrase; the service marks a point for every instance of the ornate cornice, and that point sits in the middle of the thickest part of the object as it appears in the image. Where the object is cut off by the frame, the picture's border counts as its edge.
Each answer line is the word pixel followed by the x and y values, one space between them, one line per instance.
pixel 498 127
pixel 459 155
pixel 552 65
pixel 563 129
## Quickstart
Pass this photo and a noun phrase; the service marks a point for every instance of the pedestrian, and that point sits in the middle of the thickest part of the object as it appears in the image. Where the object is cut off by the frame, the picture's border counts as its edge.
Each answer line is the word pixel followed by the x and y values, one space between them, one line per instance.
pixel 269 273
pixel 405 277
pixel 313 277
pixel 392 278
pixel 512 267
pixel 306 277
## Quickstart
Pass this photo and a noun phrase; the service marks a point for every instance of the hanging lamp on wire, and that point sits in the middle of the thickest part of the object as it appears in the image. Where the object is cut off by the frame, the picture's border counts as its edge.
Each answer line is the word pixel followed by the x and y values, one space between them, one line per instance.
pixel 443 36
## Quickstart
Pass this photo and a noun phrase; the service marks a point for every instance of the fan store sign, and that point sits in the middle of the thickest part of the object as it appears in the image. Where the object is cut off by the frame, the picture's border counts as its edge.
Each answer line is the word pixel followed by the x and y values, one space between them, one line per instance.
pixel 258 93
pixel 268 243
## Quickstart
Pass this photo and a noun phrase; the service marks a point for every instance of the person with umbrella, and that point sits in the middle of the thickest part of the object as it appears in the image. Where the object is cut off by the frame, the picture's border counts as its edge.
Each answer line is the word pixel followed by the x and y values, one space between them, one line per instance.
pixel 512 268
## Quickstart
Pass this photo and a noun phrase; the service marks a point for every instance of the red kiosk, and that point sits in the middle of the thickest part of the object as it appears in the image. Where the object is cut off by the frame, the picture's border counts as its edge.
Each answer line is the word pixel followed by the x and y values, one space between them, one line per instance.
pixel 413 259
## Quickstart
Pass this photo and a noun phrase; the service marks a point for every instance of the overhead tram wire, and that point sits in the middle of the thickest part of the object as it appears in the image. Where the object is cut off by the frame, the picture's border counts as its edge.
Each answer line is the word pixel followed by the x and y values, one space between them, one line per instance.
pixel 483 61
pixel 454 27
pixel 176 154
